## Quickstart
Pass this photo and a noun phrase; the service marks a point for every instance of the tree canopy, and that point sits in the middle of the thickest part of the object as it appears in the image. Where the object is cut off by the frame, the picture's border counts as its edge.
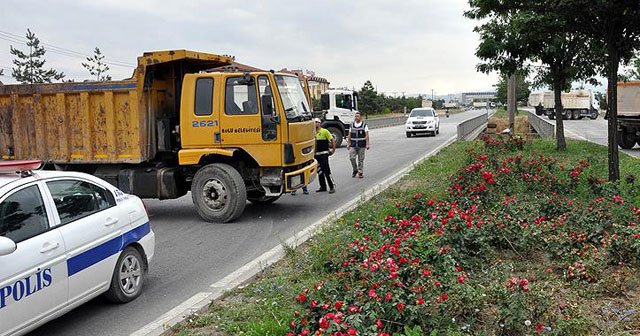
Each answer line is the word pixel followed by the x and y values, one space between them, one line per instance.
pixel 29 66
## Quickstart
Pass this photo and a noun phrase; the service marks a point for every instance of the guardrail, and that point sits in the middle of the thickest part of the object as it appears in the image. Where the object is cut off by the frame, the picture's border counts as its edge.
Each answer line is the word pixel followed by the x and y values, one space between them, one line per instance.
pixel 471 128
pixel 384 122
pixel 543 127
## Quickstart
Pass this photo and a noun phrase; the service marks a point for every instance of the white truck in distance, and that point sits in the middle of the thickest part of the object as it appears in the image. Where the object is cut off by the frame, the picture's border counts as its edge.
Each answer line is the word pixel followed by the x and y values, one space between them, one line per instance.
pixel 339 108
pixel 480 105
pixel 628 114
pixel 536 101
pixel 576 104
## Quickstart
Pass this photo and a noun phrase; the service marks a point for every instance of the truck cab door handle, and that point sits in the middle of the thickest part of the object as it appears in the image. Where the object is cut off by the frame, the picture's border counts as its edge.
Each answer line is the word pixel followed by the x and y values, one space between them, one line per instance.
pixel 217 137
pixel 48 247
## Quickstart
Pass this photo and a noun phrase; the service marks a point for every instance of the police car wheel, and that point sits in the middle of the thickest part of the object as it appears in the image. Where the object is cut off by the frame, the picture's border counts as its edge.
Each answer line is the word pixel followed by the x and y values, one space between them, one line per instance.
pixel 128 277
pixel 219 193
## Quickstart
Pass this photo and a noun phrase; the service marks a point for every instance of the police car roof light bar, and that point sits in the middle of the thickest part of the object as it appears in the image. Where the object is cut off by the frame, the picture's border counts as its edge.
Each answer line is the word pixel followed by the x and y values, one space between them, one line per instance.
pixel 24 167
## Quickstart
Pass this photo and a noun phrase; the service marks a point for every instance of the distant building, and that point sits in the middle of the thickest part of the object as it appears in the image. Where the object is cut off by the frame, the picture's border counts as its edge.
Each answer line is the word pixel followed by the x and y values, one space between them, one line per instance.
pixel 469 97
pixel 317 85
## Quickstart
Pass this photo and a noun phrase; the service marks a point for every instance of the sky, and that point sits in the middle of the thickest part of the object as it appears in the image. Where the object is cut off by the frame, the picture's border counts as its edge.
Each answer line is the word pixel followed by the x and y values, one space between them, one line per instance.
pixel 410 46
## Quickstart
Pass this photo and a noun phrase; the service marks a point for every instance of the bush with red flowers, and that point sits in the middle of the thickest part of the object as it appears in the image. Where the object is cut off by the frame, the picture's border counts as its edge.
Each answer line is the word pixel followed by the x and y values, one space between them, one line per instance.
pixel 455 264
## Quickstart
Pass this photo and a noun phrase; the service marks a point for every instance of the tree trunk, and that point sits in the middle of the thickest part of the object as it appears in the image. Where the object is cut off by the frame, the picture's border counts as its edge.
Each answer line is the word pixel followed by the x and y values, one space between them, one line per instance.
pixel 511 102
pixel 561 143
pixel 612 112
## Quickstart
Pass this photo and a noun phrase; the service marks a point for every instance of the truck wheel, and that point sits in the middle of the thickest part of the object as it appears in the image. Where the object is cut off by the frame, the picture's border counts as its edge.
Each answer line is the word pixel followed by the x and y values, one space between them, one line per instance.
pixel 219 193
pixel 408 134
pixel 626 140
pixel 263 200
pixel 552 116
pixel 337 135
pixel 127 278
pixel 575 115
pixel 594 116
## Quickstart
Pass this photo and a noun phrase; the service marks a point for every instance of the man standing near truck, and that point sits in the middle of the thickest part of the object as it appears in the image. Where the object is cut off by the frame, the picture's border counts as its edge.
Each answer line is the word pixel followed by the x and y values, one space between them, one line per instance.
pixel 357 143
pixel 323 139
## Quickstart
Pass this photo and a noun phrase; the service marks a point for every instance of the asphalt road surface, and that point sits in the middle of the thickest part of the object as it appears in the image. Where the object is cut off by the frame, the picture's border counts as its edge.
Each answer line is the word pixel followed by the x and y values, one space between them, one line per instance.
pixel 592 130
pixel 192 254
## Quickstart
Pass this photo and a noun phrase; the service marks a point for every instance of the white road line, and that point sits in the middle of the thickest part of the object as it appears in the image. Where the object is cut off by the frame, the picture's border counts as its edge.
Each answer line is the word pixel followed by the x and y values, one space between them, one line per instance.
pixel 200 302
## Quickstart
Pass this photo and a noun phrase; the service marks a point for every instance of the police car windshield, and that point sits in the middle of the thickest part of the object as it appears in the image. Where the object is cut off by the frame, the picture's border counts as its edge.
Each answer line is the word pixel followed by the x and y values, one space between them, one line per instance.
pixel 295 102
pixel 421 113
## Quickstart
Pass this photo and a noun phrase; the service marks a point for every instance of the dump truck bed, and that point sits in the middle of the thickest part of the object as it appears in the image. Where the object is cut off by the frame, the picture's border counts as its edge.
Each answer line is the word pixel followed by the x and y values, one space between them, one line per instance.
pixel 98 122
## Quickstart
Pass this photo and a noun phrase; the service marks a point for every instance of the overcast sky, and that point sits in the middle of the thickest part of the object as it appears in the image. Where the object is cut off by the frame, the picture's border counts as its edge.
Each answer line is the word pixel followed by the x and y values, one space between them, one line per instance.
pixel 411 46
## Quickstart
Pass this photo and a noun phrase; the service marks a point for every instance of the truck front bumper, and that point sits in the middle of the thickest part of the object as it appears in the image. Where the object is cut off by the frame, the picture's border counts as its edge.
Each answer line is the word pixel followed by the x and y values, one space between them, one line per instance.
pixel 299 178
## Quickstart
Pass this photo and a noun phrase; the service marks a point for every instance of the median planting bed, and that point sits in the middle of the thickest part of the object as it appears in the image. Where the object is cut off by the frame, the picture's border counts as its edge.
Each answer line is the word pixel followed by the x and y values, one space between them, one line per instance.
pixel 493 237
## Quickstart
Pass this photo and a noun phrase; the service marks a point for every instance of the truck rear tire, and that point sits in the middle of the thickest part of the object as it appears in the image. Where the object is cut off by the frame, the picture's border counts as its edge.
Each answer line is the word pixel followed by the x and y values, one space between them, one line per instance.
pixel 337 135
pixel 575 114
pixel 626 140
pixel 219 193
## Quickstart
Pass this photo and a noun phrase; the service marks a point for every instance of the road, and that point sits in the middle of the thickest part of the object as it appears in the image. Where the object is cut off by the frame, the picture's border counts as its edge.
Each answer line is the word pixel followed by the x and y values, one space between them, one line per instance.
pixel 592 130
pixel 192 254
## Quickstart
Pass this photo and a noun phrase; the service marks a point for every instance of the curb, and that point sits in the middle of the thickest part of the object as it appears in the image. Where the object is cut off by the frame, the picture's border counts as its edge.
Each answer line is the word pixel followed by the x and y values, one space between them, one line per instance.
pixel 200 302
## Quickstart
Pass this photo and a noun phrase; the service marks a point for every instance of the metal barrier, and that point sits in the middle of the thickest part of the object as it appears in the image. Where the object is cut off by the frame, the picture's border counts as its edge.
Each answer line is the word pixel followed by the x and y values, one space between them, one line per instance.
pixel 471 128
pixel 543 127
pixel 384 122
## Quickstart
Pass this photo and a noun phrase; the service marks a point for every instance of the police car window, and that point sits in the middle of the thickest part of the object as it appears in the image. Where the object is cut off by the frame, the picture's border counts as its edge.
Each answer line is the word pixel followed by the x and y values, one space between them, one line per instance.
pixel 23 215
pixel 77 199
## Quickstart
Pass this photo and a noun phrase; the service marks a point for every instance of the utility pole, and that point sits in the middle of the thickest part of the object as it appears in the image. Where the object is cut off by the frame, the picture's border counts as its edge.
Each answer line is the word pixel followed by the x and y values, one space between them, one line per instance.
pixel 511 102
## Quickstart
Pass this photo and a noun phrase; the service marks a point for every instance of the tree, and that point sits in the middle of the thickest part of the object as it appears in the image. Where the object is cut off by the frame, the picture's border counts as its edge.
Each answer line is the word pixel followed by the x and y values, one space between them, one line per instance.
pixel 368 99
pixel 633 72
pixel 612 25
pixel 96 66
pixel 29 68
pixel 523 89
pixel 516 34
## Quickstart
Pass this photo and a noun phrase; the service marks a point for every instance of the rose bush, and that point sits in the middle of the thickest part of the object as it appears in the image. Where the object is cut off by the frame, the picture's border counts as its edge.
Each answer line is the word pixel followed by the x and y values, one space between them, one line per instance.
pixel 443 265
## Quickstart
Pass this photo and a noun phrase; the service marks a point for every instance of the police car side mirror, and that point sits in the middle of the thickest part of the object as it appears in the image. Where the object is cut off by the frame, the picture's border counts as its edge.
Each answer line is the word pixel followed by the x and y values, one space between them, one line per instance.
pixel 7 246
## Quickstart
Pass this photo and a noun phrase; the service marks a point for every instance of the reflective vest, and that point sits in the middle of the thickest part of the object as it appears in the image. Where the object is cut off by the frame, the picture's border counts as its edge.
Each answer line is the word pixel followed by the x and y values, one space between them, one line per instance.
pixel 358 135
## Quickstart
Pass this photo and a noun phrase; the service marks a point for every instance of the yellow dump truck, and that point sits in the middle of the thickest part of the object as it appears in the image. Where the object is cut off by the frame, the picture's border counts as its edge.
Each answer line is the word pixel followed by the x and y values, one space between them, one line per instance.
pixel 175 126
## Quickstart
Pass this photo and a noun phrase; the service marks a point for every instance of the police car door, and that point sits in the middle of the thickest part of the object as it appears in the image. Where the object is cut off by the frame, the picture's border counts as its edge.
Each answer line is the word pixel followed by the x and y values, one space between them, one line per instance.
pixel 33 279
pixel 92 226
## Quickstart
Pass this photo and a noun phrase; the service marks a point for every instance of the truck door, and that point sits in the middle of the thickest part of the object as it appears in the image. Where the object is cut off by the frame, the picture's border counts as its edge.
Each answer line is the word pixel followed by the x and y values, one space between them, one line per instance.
pixel 251 122
pixel 204 129
pixel 344 107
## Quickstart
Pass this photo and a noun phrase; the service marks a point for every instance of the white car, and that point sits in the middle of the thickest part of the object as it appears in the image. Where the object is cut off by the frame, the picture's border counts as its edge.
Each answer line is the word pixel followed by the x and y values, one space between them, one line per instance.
pixel 422 120
pixel 66 238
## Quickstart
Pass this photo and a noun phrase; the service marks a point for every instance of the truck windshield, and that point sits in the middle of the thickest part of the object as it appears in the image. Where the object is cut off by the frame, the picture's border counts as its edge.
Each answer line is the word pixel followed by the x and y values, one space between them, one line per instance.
pixel 295 103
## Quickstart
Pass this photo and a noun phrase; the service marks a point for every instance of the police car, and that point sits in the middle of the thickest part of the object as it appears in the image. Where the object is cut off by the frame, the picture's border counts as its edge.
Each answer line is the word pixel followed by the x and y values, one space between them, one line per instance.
pixel 66 238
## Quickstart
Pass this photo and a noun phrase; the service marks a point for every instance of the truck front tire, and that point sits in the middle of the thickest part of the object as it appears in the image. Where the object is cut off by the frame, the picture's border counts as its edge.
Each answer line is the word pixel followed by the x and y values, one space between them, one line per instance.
pixel 219 193
pixel 337 135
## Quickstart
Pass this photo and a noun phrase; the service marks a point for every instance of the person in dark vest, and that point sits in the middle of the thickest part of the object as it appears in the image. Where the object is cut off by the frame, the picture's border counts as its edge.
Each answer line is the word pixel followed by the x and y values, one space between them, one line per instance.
pixel 357 143
pixel 325 146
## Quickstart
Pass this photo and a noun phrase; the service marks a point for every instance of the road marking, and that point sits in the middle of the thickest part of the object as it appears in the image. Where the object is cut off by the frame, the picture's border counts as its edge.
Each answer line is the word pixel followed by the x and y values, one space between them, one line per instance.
pixel 201 301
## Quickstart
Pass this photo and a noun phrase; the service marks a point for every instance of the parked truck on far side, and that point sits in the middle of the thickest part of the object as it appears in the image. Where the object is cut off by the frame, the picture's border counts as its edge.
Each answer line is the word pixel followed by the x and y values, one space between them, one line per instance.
pixel 576 104
pixel 628 114
pixel 174 127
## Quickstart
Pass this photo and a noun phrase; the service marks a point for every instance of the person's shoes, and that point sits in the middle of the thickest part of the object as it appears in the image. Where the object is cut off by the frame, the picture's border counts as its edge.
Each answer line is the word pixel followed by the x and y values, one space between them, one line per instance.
pixel 305 191
pixel 321 190
pixel 332 190
pixel 360 175
pixel 354 174
pixel 293 193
